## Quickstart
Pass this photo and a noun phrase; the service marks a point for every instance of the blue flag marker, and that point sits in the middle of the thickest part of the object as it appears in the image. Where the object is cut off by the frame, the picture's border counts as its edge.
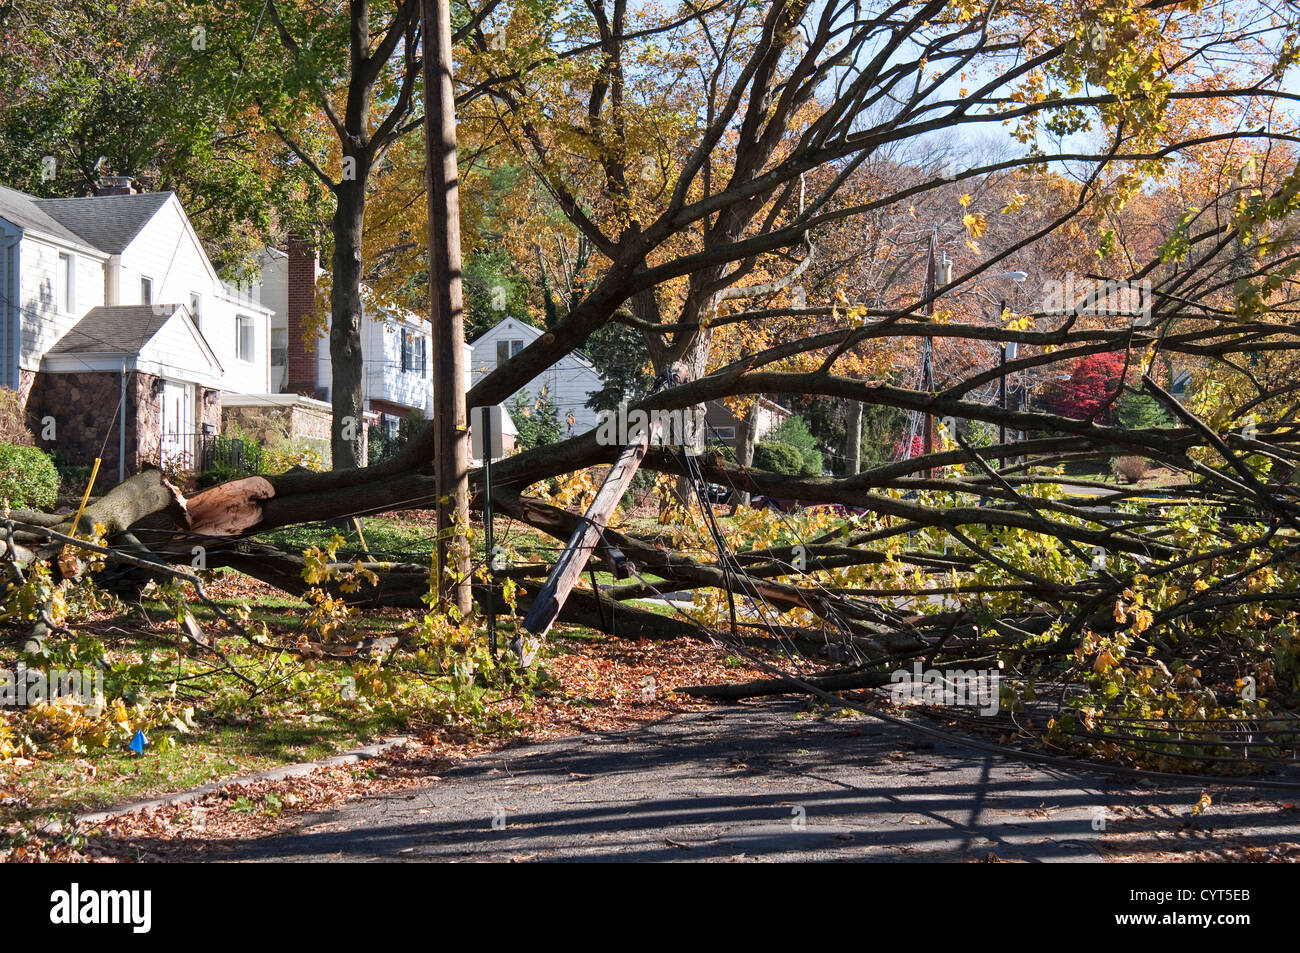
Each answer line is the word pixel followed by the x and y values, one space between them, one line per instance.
pixel 138 742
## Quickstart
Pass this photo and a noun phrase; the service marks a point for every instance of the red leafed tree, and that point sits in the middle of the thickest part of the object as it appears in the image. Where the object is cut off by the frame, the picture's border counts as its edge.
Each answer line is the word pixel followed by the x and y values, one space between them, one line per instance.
pixel 1092 384
pixel 902 452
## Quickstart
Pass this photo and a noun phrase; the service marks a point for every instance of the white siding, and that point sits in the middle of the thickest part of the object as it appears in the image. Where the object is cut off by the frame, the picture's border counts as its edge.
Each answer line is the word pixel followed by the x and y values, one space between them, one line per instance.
pixel 274 295
pixel 43 323
pixel 10 315
pixel 167 251
pixel 179 354
pixel 383 377
pixel 569 383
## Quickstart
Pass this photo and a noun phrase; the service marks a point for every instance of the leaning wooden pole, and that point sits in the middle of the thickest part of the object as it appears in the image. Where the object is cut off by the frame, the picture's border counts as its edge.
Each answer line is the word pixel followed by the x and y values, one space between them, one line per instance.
pixel 582 544
pixel 446 306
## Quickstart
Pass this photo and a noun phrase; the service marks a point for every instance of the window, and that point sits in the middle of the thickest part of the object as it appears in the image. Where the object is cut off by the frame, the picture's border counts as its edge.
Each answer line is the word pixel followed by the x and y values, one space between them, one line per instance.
pixel 196 306
pixel 507 350
pixel 244 341
pixel 724 433
pixel 414 353
pixel 67 283
pixel 279 347
pixel 146 291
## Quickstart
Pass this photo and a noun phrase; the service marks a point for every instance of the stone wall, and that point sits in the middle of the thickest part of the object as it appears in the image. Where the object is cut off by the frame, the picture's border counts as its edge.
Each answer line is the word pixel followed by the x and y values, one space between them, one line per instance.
pixel 268 423
pixel 84 408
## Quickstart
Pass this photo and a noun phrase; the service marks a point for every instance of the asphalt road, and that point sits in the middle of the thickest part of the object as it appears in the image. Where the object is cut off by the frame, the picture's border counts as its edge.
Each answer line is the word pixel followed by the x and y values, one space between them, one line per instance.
pixel 757 782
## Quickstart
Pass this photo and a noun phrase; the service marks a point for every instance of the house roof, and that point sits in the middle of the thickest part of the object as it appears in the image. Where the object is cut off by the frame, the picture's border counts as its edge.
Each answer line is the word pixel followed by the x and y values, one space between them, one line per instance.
pixel 773 405
pixel 25 212
pixel 115 329
pixel 108 222
pixel 533 332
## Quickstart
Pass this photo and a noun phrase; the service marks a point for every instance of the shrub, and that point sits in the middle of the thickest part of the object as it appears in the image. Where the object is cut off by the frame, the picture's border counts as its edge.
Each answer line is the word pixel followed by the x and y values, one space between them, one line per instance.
pixel 1140 412
pixel 536 419
pixel 901 450
pixel 794 432
pixel 72 479
pixel 13 419
pixel 1091 384
pixel 1131 468
pixel 380 446
pixel 778 458
pixel 28 479
pixel 284 455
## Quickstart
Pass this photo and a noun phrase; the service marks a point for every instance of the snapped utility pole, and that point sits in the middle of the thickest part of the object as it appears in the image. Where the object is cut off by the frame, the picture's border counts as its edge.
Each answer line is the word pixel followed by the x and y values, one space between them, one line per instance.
pixel 446 307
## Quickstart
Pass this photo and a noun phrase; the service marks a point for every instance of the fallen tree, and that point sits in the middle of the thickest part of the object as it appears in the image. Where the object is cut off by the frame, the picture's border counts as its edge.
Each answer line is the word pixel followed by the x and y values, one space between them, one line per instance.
pixel 1150 605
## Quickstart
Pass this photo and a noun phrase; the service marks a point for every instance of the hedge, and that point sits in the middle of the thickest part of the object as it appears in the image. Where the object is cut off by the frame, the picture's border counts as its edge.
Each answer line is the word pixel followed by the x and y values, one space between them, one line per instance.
pixel 778 458
pixel 28 479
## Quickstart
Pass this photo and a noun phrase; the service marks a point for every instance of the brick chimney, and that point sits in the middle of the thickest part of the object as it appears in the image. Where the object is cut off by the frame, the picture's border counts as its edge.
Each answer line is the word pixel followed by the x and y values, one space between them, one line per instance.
pixel 301 286
pixel 115 185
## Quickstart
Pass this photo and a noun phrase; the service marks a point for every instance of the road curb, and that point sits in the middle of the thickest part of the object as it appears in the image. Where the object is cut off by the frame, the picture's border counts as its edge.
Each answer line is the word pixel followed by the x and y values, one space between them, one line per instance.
pixel 270 774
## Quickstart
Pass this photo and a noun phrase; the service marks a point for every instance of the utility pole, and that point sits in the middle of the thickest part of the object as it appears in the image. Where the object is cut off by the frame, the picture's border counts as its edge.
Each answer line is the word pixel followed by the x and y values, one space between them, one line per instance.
pixel 927 349
pixel 1008 354
pixel 933 277
pixel 446 307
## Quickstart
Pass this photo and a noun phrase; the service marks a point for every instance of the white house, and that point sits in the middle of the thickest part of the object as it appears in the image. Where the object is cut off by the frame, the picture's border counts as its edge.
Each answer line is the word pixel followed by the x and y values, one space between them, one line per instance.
pixel 108 303
pixel 396 345
pixel 570 382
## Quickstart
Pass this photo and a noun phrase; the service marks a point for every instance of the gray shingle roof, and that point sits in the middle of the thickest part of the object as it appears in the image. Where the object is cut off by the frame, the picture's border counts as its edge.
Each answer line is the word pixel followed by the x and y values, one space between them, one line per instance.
pixel 25 212
pixel 108 222
pixel 116 329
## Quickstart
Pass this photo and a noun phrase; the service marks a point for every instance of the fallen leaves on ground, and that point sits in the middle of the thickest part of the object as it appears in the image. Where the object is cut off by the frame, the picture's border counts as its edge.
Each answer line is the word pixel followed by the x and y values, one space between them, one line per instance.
pixel 604 686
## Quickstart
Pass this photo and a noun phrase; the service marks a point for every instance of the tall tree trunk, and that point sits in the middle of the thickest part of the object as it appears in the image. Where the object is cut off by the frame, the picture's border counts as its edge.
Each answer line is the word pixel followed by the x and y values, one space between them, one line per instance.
pixel 446 301
pixel 746 437
pixel 853 438
pixel 346 394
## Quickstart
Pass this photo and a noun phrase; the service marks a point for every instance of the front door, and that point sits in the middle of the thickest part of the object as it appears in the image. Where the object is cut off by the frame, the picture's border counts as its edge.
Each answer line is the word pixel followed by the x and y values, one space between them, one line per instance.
pixel 176 442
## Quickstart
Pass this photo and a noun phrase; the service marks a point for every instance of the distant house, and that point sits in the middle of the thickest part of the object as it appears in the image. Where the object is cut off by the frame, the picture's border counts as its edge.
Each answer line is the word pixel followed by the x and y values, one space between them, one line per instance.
pixel 723 426
pixel 116 330
pixel 569 383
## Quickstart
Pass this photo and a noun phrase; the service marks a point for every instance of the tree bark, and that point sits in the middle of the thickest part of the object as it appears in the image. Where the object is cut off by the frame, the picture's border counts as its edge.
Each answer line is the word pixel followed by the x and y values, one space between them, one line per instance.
pixel 853 438
pixel 746 437
pixel 446 303
pixel 346 395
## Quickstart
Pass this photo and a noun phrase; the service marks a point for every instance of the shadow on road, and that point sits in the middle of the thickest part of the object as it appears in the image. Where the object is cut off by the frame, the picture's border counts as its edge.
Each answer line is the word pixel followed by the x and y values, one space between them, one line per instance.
pixel 760 782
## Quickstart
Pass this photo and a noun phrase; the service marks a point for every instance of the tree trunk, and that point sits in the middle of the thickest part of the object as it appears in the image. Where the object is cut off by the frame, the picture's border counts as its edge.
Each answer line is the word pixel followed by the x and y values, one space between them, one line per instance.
pixel 347 434
pixel 853 439
pixel 746 437
pixel 446 303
